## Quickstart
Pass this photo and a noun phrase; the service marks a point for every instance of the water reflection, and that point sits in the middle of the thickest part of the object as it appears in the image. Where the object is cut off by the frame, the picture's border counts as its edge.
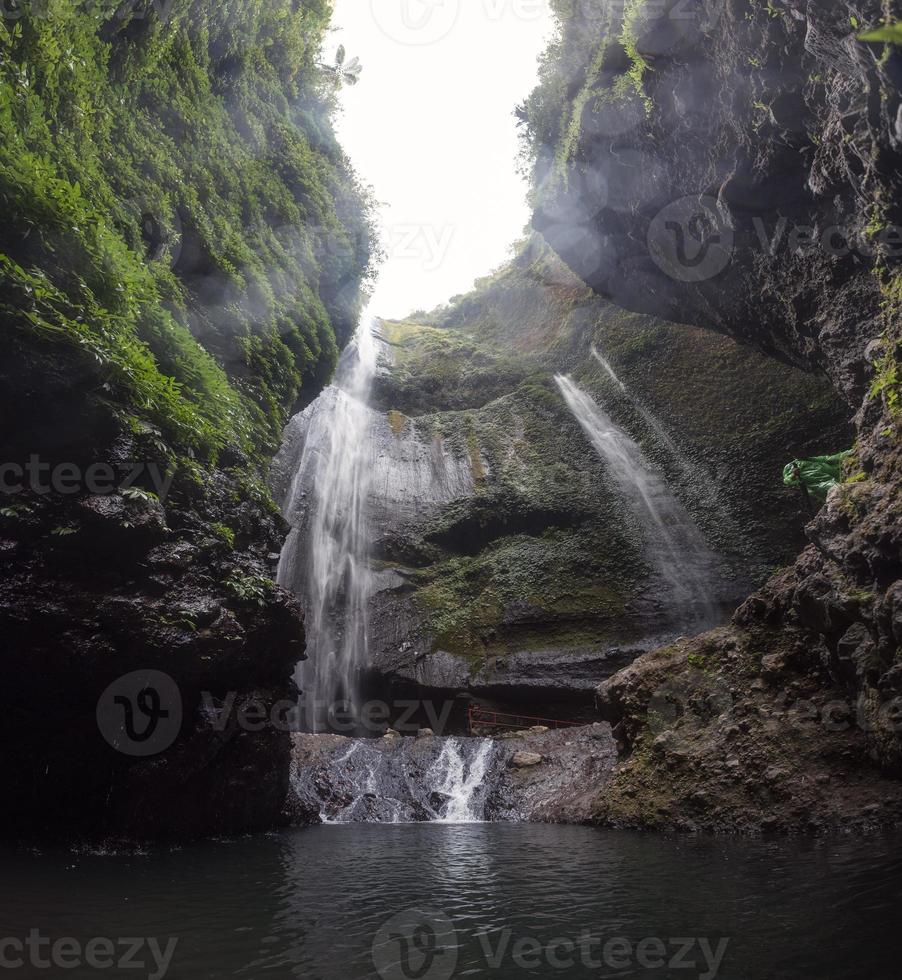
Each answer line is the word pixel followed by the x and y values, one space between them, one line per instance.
pixel 310 904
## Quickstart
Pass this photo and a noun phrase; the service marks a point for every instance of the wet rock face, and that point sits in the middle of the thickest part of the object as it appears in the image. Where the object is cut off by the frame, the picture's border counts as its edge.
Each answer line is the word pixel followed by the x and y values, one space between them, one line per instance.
pixel 763 117
pixel 535 675
pixel 140 585
pixel 508 561
pixel 538 776
pixel 746 184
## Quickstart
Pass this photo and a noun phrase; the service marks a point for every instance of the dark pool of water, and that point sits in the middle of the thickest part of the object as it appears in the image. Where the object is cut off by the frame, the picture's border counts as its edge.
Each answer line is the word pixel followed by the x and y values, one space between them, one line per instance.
pixel 431 902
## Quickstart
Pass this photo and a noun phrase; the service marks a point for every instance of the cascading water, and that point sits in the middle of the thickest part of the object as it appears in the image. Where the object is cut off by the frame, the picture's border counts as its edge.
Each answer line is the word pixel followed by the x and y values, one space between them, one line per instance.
pixel 461 779
pixel 691 473
pixel 329 451
pixel 401 780
pixel 660 432
pixel 324 560
pixel 675 546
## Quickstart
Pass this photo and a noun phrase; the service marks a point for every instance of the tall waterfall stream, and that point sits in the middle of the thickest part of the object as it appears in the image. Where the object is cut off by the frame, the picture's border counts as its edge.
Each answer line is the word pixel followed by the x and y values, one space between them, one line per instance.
pixel 325 559
pixel 325 562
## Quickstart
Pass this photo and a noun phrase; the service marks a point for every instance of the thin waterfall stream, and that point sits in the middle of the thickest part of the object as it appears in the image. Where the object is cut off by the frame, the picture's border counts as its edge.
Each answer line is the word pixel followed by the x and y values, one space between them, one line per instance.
pixel 675 546
pixel 690 471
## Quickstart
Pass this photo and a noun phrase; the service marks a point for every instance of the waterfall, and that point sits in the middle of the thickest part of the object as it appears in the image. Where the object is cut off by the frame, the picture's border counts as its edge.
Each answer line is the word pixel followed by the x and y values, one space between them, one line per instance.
pixel 692 473
pixel 325 559
pixel 676 548
pixel 397 780
pixel 606 364
pixel 461 781
pixel 650 420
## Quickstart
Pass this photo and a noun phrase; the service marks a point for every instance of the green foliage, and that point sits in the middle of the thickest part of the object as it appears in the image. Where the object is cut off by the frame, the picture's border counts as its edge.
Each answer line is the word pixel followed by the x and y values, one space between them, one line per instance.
pixel 594 65
pixel 887 383
pixel 225 532
pixel 137 495
pixel 890 33
pixel 181 229
pixel 887 380
pixel 250 589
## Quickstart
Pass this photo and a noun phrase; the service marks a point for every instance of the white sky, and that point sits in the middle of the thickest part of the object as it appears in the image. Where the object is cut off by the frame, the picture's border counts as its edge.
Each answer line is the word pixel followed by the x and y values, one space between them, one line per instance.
pixel 431 127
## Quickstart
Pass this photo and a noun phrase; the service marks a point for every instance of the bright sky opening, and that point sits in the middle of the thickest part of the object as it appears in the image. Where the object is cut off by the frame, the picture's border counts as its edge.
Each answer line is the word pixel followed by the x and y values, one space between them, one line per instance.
pixel 431 127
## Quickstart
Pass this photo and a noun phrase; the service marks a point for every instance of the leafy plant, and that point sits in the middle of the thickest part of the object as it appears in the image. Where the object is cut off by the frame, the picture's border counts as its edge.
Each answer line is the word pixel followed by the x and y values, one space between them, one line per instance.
pixel 889 33
pixel 253 589
pixel 224 532
pixel 345 72
pixel 138 495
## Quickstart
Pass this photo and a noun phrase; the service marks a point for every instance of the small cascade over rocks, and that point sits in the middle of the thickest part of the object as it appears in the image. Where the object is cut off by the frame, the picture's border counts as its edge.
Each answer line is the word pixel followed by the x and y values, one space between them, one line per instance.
pixel 462 778
pixel 675 546
pixel 394 780
pixel 535 775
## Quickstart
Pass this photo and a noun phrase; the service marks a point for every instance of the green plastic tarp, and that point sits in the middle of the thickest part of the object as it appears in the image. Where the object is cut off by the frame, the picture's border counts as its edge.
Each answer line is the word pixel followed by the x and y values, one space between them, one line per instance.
pixel 817 475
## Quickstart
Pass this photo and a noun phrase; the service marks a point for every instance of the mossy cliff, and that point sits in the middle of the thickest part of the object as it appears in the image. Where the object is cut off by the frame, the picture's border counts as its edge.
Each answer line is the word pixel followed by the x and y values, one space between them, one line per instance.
pixel 737 166
pixel 530 580
pixel 182 254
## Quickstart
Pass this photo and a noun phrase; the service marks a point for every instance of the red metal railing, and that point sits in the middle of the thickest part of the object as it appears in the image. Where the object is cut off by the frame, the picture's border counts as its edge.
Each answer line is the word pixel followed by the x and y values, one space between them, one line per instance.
pixel 485 718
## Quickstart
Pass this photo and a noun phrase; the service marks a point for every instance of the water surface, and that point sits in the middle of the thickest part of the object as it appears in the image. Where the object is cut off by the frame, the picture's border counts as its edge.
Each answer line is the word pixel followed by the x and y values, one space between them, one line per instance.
pixel 476 900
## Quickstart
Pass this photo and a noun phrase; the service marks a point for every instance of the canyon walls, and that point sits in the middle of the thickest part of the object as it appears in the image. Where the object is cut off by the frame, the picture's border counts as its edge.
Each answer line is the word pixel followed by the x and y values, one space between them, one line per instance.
pixel 512 565
pixel 736 166
pixel 183 250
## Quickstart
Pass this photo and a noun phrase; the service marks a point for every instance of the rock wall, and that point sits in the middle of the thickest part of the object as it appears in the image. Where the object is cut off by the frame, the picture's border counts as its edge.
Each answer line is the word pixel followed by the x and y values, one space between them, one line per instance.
pixel 682 140
pixel 182 254
pixel 521 573
pixel 731 165
pixel 138 586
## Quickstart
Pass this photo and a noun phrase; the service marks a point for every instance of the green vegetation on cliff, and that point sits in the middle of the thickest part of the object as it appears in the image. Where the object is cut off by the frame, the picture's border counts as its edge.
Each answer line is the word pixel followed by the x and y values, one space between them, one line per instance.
pixel 183 242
